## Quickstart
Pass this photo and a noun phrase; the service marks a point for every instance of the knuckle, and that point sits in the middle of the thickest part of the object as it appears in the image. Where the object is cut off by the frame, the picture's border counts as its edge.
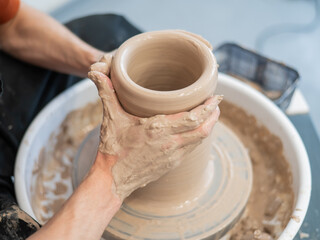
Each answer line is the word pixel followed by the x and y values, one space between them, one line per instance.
pixel 95 76
pixel 106 58
pixel 191 117
pixel 204 131
pixel 169 146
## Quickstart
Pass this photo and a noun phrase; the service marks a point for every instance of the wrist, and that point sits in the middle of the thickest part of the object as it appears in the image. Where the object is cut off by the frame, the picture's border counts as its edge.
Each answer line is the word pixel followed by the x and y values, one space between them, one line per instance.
pixel 88 56
pixel 86 214
pixel 102 171
pixel 104 162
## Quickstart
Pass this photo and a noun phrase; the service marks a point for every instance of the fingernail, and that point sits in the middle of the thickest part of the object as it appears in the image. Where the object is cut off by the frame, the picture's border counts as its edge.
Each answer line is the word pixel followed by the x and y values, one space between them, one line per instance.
pixel 92 76
pixel 192 116
pixel 219 98
pixel 107 58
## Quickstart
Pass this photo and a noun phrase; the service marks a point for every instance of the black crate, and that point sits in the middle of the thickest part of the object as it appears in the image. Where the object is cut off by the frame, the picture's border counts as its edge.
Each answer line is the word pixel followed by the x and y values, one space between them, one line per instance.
pixel 275 80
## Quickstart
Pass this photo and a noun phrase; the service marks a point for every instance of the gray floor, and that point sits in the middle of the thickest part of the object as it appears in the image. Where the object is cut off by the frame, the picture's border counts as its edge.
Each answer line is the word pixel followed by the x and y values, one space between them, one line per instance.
pixel 285 30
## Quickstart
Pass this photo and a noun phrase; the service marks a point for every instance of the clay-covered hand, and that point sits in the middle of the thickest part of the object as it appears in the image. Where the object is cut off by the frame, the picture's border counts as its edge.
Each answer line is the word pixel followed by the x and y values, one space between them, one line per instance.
pixel 103 65
pixel 147 148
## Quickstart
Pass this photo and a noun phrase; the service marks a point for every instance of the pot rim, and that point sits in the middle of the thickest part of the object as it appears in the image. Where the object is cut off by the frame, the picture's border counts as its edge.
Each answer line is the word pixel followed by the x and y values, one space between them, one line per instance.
pixel 119 63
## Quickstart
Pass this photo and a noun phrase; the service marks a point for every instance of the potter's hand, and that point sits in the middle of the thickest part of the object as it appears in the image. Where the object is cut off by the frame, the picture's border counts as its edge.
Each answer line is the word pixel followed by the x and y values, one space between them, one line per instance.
pixel 143 149
pixel 104 63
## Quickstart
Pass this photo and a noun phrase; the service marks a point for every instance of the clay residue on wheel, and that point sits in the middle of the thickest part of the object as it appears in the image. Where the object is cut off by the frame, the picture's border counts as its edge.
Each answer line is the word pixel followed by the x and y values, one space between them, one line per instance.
pixel 51 180
pixel 271 201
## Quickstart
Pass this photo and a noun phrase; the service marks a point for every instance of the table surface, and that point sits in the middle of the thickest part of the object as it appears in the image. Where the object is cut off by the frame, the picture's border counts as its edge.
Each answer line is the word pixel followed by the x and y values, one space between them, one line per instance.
pixel 288 31
pixel 311 224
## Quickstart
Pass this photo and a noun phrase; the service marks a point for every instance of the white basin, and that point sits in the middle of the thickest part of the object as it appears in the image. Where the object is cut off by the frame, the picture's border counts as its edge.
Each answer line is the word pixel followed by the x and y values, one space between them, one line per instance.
pixel 234 91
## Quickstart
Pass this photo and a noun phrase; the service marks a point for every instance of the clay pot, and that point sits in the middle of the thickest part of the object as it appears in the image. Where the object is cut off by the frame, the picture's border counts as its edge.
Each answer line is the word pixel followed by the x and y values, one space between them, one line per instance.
pixel 167 72
pixel 163 72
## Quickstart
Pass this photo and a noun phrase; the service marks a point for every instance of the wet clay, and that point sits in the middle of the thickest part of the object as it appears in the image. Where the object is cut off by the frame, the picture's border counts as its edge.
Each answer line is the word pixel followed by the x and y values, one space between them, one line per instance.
pixel 228 174
pixel 271 201
pixel 15 223
pixel 153 73
pixel 51 184
pixel 144 163
pixel 207 215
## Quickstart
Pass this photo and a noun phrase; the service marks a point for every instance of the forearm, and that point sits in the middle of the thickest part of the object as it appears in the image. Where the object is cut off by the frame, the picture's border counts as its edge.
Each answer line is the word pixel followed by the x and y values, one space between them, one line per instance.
pixel 40 40
pixel 89 210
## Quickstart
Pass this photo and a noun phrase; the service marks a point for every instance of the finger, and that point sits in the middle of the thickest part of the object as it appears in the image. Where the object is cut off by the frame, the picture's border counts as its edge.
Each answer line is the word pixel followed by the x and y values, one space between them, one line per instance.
pixel 186 121
pixel 107 59
pixel 205 110
pixel 104 64
pixel 197 135
pixel 100 67
pixel 107 94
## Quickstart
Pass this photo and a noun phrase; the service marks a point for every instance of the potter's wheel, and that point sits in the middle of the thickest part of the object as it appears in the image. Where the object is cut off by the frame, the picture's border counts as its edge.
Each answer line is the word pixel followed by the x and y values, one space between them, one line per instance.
pixel 210 215
pixel 51 117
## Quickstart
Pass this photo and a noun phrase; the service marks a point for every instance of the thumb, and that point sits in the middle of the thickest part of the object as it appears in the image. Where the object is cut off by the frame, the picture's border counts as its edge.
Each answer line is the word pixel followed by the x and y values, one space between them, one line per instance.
pixel 111 107
pixel 104 64
pixel 107 94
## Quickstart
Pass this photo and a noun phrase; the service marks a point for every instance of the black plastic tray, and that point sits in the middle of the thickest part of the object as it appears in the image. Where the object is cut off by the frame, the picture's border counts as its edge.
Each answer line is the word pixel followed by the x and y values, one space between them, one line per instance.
pixel 276 80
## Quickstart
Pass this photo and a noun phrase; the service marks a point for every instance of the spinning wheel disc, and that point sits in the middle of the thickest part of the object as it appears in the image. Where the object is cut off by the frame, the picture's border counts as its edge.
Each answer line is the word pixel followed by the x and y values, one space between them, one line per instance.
pixel 211 215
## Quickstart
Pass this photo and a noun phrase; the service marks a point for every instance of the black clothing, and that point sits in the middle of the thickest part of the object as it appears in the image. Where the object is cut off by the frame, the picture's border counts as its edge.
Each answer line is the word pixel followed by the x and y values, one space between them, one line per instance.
pixel 25 90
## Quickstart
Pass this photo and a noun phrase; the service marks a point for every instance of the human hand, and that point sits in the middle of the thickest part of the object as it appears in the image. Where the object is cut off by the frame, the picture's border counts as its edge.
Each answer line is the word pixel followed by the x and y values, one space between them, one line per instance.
pixel 147 148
